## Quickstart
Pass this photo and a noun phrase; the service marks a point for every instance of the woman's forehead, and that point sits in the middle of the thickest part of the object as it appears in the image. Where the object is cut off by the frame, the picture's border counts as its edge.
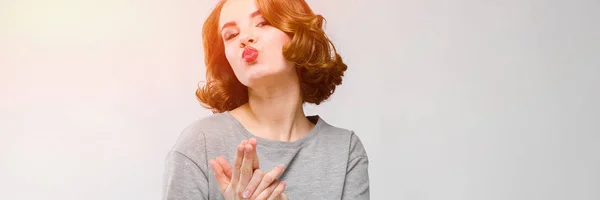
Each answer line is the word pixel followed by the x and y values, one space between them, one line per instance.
pixel 234 10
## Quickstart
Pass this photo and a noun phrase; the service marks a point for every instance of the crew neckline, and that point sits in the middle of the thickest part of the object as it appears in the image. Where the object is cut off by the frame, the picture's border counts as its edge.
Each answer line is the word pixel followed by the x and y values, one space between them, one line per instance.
pixel 312 134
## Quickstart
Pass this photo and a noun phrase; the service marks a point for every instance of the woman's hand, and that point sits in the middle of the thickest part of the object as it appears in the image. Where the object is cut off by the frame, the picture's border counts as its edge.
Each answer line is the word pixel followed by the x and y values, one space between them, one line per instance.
pixel 245 179
pixel 264 185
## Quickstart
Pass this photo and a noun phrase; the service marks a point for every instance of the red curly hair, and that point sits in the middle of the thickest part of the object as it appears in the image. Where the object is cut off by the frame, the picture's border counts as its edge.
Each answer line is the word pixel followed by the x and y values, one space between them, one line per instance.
pixel 318 65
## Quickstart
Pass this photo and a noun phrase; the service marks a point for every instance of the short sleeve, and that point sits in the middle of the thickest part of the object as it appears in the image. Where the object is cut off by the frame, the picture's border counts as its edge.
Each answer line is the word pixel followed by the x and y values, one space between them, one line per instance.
pixel 185 176
pixel 356 184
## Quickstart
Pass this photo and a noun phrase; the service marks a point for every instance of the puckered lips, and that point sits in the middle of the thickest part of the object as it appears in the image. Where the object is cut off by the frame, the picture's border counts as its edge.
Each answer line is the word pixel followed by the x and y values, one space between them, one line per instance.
pixel 250 54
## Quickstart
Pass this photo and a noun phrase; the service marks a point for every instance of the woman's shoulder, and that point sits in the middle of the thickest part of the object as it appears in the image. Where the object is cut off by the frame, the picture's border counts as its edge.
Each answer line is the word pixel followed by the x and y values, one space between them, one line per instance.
pixel 210 123
pixel 202 131
pixel 335 131
pixel 343 136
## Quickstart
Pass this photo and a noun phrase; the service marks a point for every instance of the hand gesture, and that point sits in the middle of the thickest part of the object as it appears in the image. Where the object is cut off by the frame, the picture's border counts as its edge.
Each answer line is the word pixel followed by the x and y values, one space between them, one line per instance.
pixel 245 180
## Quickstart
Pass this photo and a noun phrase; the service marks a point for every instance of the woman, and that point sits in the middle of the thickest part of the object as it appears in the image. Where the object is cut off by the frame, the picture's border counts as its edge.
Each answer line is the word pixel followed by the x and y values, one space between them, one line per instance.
pixel 265 59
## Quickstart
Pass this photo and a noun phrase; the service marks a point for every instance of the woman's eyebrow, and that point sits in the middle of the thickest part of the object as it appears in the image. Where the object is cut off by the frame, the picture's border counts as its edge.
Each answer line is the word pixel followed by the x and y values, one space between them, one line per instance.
pixel 255 13
pixel 232 23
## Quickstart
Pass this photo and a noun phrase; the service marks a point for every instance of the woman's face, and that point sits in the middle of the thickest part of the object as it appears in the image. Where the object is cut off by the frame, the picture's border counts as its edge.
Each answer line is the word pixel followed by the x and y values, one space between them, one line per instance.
pixel 242 25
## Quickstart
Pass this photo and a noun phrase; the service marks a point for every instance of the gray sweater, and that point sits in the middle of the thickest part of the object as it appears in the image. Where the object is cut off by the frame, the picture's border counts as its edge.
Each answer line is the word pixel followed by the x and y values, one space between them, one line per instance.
pixel 328 163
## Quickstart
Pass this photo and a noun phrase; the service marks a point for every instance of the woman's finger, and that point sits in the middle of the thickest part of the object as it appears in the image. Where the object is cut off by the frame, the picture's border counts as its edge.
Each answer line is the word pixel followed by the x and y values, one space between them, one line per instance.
pixel 255 165
pixel 277 192
pixel 222 179
pixel 267 192
pixel 257 176
pixel 239 155
pixel 226 166
pixel 246 169
pixel 283 196
pixel 268 179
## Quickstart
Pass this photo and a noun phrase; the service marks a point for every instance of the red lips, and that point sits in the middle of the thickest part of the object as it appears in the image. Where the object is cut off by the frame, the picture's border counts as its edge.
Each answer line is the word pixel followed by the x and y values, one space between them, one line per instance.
pixel 250 54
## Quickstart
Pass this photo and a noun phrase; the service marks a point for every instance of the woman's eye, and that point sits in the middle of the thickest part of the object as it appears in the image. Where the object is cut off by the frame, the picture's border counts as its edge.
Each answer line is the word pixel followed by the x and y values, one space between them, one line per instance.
pixel 229 36
pixel 263 23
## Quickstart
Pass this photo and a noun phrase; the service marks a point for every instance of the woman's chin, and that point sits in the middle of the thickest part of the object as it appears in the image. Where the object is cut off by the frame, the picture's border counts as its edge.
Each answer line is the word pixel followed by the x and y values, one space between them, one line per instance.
pixel 259 76
pixel 255 81
pixel 258 80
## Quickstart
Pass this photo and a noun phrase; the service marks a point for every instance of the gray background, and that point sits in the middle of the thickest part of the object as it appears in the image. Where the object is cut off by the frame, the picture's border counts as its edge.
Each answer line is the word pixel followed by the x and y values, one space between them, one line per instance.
pixel 452 99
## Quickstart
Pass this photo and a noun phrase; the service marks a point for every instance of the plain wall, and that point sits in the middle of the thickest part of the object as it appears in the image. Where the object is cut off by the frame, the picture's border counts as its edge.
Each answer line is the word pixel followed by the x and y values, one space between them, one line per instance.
pixel 452 99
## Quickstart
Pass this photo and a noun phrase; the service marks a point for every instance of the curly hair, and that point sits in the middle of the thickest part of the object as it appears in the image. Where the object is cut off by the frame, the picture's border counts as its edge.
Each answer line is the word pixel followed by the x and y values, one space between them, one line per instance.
pixel 319 66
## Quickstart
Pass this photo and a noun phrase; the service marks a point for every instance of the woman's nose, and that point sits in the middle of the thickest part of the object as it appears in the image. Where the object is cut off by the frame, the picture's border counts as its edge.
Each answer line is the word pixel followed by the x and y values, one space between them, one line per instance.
pixel 247 40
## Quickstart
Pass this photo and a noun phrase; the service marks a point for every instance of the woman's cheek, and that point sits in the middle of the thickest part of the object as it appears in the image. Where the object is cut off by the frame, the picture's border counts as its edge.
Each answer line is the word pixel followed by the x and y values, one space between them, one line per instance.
pixel 230 55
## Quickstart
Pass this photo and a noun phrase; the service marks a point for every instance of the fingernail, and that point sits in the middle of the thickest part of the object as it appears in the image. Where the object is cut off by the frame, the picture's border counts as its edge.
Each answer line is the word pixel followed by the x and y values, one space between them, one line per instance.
pixel 246 194
pixel 281 165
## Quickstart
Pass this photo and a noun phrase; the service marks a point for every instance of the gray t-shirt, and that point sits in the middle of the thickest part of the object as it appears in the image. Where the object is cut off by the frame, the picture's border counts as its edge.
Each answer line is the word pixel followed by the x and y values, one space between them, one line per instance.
pixel 328 163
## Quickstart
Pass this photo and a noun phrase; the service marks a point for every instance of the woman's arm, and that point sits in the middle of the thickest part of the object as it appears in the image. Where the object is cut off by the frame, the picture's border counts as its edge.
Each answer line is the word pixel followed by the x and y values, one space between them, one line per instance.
pixel 183 179
pixel 186 168
pixel 356 185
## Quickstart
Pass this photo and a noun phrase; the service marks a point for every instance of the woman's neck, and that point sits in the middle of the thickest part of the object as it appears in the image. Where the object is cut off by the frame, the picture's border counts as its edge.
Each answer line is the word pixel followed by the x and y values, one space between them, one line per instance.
pixel 275 113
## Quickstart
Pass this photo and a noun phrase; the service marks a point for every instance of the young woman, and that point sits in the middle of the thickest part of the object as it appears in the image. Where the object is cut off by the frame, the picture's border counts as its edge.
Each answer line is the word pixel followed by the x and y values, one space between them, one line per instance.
pixel 265 59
